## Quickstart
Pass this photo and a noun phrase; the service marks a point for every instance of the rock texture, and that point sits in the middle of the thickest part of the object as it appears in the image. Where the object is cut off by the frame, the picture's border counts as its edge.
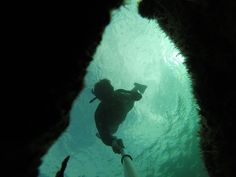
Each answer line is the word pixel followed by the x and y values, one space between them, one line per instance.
pixel 55 43
pixel 205 33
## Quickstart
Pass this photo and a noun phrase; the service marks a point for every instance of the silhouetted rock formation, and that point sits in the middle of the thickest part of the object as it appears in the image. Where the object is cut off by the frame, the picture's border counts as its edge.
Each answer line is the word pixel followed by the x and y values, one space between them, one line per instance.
pixel 205 33
pixel 54 45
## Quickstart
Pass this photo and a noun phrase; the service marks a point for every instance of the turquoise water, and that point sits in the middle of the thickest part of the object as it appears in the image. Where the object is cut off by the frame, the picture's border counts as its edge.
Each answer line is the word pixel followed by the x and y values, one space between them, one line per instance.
pixel 160 132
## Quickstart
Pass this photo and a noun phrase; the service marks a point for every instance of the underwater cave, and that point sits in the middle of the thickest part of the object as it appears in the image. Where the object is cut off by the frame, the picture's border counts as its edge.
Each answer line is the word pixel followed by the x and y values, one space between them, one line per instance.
pixel 160 132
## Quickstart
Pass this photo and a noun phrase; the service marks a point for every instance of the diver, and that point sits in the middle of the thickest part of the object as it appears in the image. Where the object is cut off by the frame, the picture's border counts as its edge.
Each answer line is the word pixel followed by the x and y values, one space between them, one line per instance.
pixel 112 110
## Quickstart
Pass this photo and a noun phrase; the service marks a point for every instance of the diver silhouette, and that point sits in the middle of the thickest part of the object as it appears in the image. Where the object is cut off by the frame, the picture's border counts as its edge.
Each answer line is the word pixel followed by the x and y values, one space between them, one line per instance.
pixel 112 110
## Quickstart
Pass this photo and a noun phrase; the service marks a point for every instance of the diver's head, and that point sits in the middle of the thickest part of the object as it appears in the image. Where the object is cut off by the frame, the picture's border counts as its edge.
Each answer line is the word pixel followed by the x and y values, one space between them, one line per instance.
pixel 103 89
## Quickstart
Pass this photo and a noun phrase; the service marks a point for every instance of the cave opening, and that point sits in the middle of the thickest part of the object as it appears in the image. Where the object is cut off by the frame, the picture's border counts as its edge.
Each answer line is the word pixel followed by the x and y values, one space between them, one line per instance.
pixel 161 132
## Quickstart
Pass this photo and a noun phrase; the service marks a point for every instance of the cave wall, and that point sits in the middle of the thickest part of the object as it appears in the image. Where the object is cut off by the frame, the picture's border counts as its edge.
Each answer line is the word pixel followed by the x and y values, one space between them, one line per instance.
pixel 205 33
pixel 54 45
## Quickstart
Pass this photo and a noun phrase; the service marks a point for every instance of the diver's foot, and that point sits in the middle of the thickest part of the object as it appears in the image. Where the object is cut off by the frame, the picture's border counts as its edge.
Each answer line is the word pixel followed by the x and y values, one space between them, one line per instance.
pixel 141 88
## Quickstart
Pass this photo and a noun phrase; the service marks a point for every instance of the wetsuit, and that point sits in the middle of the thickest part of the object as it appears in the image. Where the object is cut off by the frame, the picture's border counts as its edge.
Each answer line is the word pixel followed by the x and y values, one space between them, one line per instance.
pixel 111 112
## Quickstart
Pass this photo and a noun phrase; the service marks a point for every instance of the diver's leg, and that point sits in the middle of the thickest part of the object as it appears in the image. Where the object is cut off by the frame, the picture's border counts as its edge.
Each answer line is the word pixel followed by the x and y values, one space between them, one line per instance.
pixel 135 89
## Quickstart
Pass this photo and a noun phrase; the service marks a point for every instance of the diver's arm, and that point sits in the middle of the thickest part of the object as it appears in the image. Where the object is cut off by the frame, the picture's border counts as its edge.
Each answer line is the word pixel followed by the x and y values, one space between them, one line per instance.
pixel 102 125
pixel 116 144
pixel 106 137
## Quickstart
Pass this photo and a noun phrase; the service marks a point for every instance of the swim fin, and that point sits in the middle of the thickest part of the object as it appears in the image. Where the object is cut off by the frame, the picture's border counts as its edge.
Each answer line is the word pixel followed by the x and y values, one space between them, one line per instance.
pixel 141 88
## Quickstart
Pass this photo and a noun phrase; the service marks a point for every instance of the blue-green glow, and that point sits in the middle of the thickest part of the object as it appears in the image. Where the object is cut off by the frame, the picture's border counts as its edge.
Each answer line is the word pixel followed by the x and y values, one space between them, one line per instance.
pixel 160 132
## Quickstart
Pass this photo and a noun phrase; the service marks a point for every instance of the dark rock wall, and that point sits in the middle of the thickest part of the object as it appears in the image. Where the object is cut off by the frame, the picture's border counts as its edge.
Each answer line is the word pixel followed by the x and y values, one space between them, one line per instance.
pixel 54 45
pixel 205 33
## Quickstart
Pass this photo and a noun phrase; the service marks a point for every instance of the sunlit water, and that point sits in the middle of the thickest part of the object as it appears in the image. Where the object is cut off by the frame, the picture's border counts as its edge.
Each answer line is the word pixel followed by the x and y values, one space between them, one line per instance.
pixel 160 132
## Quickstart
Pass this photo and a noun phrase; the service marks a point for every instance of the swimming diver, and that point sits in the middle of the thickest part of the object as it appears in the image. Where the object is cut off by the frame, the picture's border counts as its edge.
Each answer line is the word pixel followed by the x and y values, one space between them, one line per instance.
pixel 112 110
